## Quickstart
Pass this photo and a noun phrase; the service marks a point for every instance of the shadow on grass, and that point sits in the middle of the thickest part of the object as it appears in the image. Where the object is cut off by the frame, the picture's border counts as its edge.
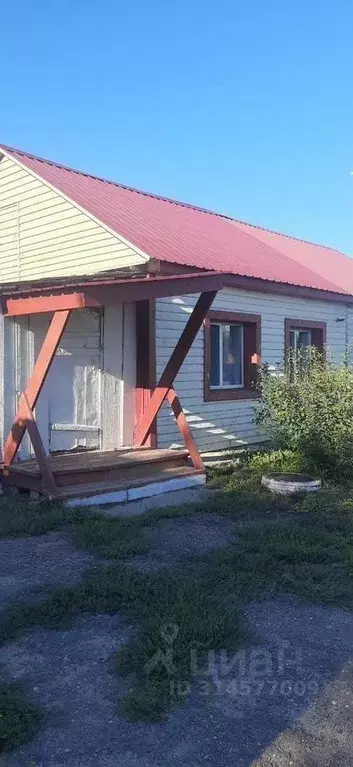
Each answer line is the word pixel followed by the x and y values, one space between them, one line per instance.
pixel 19 718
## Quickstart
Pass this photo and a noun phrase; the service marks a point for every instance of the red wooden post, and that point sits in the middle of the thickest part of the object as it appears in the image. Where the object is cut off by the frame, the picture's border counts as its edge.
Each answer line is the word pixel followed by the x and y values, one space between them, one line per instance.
pixel 174 364
pixel 35 383
pixel 47 476
pixel 145 362
pixel 185 430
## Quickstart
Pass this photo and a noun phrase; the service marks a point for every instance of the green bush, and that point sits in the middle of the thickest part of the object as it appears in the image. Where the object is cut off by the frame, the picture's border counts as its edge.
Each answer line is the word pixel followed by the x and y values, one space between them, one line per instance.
pixel 307 407
pixel 274 460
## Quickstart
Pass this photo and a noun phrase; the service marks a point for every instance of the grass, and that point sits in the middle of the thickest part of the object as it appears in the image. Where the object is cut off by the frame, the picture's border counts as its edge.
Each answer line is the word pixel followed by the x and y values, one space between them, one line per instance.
pixel 158 602
pixel 302 546
pixel 19 718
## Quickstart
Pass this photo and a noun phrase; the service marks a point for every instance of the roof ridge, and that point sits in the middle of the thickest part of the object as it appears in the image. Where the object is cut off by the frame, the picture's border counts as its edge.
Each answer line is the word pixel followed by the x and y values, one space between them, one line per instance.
pixel 13 150
pixel 162 198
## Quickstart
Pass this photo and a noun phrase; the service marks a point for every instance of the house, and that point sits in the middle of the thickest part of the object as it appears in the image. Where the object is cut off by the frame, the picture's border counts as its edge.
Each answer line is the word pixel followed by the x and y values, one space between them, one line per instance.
pixel 107 291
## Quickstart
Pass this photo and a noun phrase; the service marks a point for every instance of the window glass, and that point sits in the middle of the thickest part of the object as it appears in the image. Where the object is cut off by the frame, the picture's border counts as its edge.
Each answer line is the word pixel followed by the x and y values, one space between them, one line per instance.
pixel 226 355
pixel 215 346
pixel 232 355
pixel 303 338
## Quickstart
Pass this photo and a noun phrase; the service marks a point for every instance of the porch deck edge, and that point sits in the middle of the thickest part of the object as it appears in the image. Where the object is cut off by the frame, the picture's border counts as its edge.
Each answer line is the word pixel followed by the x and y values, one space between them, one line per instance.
pixel 148 490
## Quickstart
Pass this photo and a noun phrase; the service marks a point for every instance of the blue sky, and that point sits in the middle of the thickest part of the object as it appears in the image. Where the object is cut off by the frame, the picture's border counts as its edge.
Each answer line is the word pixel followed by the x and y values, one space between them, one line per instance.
pixel 245 107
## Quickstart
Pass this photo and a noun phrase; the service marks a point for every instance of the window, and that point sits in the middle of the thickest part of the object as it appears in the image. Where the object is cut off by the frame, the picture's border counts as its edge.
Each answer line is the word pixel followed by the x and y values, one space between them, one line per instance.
pixel 227 364
pixel 299 334
pixel 232 349
pixel 299 339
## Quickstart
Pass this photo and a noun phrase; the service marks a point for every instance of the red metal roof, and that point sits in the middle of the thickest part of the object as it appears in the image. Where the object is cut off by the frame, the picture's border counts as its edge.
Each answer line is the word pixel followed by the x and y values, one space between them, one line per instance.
pixel 184 234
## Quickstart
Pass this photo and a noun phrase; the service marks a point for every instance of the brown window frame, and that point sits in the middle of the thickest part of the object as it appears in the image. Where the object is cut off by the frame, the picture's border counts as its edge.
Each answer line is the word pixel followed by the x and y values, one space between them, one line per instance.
pixel 318 336
pixel 252 346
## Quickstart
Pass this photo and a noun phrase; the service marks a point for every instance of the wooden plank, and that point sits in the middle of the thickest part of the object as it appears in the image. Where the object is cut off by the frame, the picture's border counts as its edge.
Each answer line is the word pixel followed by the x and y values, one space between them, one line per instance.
pixel 185 430
pixel 155 287
pixel 47 476
pixel 118 473
pixel 36 383
pixel 78 295
pixel 70 463
pixel 174 364
pixel 94 488
pixel 15 307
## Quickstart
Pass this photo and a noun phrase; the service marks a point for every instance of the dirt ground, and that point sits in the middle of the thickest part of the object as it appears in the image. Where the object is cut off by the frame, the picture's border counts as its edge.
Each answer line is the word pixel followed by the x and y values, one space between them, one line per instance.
pixel 287 699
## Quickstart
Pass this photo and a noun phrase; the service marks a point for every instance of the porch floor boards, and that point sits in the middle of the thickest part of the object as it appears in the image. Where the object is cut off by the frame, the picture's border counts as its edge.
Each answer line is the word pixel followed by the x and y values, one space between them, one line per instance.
pixel 96 488
pixel 93 460
pixel 84 474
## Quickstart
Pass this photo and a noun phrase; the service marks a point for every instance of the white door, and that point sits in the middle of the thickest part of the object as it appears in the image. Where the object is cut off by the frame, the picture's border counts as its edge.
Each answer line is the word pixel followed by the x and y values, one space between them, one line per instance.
pixel 69 408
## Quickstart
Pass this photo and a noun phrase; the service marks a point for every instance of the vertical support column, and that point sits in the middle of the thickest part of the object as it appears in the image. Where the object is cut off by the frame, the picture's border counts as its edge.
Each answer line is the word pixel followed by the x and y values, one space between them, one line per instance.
pixel 2 382
pixel 165 383
pixel 146 362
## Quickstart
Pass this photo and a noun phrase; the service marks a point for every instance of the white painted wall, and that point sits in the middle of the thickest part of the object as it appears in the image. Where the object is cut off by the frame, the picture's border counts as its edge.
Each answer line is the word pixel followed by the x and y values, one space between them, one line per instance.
pixel 220 425
pixel 119 375
pixel 107 395
pixel 44 235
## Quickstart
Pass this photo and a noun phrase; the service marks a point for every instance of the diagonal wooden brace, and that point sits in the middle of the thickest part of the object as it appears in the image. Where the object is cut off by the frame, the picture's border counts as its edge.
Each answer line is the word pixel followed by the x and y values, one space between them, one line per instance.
pixel 185 430
pixel 35 384
pixel 47 477
pixel 165 383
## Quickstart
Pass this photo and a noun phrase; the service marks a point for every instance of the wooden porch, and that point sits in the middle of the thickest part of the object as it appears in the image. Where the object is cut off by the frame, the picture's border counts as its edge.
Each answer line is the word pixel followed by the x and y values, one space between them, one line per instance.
pixel 89 473
pixel 93 473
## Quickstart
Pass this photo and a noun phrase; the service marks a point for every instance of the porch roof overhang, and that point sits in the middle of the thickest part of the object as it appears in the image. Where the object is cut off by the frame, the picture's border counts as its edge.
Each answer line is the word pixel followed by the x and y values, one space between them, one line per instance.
pixel 60 296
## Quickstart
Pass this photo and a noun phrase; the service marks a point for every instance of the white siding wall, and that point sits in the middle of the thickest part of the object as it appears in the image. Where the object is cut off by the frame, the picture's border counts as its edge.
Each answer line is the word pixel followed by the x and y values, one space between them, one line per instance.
pixel 220 425
pixel 349 333
pixel 21 340
pixel 119 375
pixel 44 235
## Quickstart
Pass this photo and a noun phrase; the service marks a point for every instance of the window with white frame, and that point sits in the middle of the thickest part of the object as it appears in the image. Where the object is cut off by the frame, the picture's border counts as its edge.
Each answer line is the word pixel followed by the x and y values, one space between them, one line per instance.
pixel 227 355
pixel 231 355
pixel 301 334
pixel 299 339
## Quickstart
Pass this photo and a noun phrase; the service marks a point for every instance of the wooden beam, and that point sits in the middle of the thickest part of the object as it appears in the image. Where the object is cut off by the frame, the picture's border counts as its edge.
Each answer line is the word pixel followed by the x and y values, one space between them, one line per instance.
pixel 15 307
pixel 185 430
pixel 174 364
pixel 36 383
pixel 47 477
pixel 100 293
pixel 154 287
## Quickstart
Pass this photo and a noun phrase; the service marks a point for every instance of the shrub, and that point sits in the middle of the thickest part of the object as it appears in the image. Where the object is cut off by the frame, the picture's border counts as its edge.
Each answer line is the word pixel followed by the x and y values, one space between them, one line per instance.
pixel 307 407
pixel 274 460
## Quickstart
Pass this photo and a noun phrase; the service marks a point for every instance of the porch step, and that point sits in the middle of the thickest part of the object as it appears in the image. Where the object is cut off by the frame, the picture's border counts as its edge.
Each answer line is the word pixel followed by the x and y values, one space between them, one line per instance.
pixel 157 483
pixel 125 465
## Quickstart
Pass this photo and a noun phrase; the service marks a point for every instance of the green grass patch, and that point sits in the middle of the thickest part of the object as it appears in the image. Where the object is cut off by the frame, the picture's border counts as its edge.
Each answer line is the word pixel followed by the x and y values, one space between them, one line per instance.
pixel 301 546
pixel 174 614
pixel 202 610
pixel 21 517
pixel 19 718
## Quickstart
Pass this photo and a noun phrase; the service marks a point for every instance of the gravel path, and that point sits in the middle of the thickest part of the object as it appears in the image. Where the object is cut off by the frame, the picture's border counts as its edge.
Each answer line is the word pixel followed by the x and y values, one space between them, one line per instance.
pixel 31 565
pixel 285 701
pixel 176 542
